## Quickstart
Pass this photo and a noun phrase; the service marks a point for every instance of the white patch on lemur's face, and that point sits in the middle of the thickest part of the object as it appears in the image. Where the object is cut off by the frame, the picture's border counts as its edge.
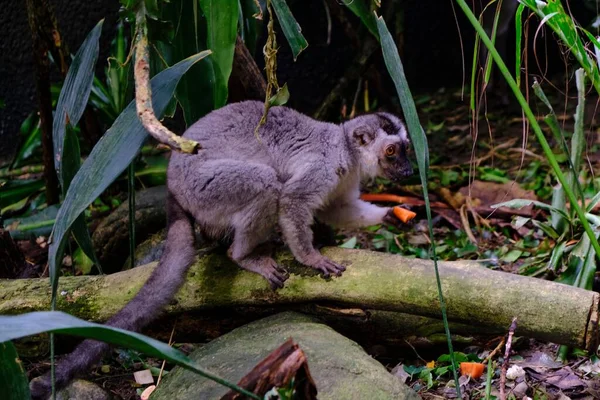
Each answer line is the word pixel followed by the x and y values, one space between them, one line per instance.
pixel 383 143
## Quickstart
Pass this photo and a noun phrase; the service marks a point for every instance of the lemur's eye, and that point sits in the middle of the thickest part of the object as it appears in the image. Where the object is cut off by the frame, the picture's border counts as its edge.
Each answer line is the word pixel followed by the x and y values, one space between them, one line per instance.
pixel 390 151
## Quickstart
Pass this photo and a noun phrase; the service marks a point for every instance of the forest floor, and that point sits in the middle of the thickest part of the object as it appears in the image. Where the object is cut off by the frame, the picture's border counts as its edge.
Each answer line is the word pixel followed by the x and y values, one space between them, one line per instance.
pixel 496 164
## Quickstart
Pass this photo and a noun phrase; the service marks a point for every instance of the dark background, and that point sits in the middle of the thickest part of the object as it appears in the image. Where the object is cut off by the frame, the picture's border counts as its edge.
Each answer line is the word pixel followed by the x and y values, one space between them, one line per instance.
pixel 431 53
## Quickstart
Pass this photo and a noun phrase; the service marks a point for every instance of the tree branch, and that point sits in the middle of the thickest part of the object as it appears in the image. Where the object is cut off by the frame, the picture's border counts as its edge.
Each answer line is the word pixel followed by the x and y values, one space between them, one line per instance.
pixel 143 93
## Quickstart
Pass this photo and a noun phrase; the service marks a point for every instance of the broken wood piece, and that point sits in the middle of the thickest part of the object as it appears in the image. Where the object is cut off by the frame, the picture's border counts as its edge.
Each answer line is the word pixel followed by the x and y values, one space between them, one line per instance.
pixel 285 363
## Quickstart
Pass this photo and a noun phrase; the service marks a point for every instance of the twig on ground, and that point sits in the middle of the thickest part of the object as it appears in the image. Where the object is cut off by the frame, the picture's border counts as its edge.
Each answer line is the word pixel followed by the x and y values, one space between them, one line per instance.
pixel 511 332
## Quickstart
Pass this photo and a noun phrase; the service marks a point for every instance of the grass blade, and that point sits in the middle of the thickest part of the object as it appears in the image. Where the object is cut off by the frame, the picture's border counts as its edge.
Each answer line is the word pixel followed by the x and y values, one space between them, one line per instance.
pixel 13 379
pixel 518 40
pixel 109 158
pixel 13 327
pixel 289 26
pixel 419 140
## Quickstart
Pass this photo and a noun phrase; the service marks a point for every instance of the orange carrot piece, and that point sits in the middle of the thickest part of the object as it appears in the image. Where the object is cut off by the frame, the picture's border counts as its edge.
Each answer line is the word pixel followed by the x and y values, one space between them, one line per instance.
pixel 475 370
pixel 384 197
pixel 403 214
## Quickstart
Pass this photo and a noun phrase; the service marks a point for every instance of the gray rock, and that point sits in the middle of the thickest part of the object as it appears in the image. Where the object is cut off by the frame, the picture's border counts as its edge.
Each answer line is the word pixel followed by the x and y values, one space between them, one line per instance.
pixel 340 368
pixel 83 390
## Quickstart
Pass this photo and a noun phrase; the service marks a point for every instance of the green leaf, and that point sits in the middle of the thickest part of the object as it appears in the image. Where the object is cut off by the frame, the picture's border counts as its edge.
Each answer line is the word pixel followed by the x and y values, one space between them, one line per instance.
pixel 195 89
pixel 546 228
pixel 361 9
pixel 593 203
pixel 31 138
pixel 512 256
pixel 558 251
pixel 291 29
pixel 520 203
pixel 71 104
pixel 250 26
pixel 14 191
pixel 419 140
pixel 518 39
pixel 221 27
pixel 39 224
pixel 281 97
pixel 13 377
pixel 13 327
pixel 113 153
pixel 74 97
pixel 350 243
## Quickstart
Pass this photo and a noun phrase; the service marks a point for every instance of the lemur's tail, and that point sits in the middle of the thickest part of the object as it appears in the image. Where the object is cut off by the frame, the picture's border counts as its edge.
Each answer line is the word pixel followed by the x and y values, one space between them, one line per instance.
pixel 156 293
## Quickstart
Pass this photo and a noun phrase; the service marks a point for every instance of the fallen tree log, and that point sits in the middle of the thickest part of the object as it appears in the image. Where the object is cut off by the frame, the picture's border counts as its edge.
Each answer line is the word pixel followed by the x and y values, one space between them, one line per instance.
pixel 475 295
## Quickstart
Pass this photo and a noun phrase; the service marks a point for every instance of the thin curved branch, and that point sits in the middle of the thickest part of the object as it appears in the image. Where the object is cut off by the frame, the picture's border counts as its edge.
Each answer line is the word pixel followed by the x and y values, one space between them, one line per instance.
pixel 143 94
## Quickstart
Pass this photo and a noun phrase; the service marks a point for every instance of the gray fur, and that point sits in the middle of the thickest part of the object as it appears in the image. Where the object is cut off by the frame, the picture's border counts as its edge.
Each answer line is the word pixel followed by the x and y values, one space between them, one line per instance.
pixel 246 187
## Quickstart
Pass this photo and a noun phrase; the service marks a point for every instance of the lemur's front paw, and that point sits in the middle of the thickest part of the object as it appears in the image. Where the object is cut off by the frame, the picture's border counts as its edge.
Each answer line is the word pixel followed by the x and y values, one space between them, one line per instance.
pixel 327 267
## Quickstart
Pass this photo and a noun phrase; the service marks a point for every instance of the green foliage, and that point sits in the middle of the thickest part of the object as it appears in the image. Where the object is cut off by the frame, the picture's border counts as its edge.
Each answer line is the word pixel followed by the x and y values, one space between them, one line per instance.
pixel 221 27
pixel 569 193
pixel 69 109
pixel 109 158
pixel 14 327
pixel 13 378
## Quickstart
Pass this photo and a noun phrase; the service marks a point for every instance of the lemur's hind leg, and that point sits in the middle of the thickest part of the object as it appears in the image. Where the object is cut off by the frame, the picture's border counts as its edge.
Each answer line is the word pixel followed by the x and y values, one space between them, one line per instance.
pixel 241 198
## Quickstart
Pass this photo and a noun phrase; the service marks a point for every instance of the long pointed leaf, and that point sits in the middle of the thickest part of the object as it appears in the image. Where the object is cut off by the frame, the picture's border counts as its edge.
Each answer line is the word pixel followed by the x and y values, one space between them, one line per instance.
pixel 72 101
pixel 74 94
pixel 13 378
pixel 13 327
pixel 221 26
pixel 419 140
pixel 109 158
pixel 289 26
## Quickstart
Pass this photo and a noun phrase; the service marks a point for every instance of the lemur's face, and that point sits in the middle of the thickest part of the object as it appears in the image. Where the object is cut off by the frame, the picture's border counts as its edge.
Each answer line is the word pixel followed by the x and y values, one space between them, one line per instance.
pixel 383 145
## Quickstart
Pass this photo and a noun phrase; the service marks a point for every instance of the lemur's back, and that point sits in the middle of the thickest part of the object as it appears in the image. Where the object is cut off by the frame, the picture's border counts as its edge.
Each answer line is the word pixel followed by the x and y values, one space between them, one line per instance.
pixel 229 132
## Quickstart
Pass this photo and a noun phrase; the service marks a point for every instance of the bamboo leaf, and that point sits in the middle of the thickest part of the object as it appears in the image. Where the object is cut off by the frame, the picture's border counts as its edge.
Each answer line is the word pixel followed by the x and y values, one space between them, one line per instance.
pixel 13 327
pixel 13 377
pixel 72 101
pixel 109 158
pixel 74 96
pixel 221 26
pixel 291 29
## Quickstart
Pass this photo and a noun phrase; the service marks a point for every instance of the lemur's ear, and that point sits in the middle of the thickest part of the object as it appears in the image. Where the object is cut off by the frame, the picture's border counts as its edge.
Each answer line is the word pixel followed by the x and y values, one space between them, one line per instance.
pixel 363 135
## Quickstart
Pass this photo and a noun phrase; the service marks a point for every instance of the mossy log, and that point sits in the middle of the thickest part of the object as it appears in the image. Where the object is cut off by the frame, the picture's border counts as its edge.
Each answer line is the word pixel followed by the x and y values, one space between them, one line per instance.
pixel 475 295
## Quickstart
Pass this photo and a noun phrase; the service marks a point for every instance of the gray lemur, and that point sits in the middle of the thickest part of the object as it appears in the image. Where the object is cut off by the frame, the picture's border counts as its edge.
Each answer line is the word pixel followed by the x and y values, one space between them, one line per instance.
pixel 245 186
